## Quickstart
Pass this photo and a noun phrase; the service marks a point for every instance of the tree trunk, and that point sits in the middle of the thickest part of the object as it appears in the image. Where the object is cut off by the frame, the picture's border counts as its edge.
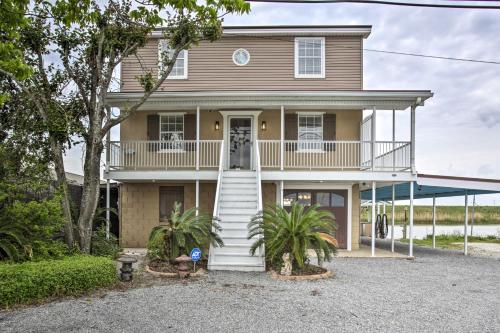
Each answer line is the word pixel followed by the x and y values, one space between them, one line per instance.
pixel 57 153
pixel 90 193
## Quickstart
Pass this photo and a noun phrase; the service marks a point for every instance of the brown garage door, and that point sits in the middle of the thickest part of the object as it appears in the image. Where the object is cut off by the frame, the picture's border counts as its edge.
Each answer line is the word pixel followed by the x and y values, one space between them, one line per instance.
pixel 334 201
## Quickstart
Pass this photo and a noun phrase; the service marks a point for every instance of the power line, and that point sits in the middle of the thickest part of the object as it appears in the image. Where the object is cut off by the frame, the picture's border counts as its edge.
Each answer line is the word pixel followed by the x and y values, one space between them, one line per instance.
pixel 382 2
pixel 420 55
pixel 435 56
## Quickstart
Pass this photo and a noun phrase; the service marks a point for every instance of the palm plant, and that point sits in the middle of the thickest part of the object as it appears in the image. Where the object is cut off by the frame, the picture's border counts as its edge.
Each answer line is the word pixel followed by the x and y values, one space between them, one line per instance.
pixel 294 232
pixel 12 240
pixel 185 231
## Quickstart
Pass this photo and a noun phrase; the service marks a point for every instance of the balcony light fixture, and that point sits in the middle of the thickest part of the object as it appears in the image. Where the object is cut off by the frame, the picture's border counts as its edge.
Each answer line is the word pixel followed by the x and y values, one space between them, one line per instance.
pixel 263 126
pixel 216 126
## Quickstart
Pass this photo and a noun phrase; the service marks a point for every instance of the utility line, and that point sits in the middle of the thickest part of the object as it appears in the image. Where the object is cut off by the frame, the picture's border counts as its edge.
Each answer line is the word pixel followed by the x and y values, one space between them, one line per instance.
pixel 382 2
pixel 420 55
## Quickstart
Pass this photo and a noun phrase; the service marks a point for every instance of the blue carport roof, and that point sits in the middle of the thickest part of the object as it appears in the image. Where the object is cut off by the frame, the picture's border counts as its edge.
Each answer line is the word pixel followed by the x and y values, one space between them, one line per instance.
pixel 428 186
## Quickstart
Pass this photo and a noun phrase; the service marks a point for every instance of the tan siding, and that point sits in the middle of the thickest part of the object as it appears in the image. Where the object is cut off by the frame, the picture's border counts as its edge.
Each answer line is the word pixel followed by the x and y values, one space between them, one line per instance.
pixel 271 67
pixel 140 210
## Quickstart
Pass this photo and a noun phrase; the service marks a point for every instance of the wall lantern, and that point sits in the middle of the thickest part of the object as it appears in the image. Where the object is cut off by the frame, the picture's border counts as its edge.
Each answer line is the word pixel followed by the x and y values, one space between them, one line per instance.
pixel 263 126
pixel 217 126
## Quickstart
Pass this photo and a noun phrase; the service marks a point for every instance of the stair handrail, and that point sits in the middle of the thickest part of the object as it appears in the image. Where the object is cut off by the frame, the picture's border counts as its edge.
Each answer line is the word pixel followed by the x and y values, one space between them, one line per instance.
pixel 219 177
pixel 259 181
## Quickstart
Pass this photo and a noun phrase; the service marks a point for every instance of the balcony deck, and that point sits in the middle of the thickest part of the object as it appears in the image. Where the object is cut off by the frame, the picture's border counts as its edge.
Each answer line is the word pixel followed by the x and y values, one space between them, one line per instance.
pixel 200 160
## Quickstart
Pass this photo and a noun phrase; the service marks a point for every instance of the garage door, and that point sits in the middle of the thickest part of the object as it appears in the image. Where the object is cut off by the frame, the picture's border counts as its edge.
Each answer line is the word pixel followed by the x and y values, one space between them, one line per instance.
pixel 334 201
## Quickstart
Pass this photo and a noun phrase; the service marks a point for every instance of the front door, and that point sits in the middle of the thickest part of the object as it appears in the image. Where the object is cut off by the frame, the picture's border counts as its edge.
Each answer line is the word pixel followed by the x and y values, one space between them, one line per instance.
pixel 240 143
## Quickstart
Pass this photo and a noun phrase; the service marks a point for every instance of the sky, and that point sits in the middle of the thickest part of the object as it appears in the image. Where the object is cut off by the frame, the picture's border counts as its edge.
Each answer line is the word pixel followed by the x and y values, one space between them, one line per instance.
pixel 458 130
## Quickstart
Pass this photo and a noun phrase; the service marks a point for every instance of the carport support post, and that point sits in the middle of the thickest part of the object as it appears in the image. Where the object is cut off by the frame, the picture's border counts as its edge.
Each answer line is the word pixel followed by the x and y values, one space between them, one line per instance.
pixel 393 215
pixel 374 202
pixel 410 249
pixel 466 221
pixel 434 222
pixel 473 214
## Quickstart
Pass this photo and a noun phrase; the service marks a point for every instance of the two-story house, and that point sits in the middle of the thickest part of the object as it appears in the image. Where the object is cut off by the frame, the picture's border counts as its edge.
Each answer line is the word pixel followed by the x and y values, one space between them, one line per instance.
pixel 267 114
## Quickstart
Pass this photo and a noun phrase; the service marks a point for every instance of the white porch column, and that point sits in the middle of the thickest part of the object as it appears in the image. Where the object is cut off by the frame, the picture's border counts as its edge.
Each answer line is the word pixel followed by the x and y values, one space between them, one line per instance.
pixel 410 250
pixel 412 154
pixel 108 185
pixel 281 193
pixel 393 215
pixel 197 139
pixel 197 197
pixel 393 140
pixel 282 138
pixel 466 222
pixel 434 222
pixel 374 136
pixel 374 200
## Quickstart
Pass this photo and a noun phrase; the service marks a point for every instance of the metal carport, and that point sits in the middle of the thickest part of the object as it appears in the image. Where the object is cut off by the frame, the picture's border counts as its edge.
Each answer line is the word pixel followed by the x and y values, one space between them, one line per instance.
pixel 430 186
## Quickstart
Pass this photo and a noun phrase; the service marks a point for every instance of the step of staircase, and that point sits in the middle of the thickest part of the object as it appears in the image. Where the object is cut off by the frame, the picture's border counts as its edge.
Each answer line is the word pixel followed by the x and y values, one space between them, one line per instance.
pixel 238 203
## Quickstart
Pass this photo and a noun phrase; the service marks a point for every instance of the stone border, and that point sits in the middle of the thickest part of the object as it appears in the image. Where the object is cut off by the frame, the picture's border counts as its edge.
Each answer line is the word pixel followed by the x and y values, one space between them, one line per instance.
pixel 326 275
pixel 198 273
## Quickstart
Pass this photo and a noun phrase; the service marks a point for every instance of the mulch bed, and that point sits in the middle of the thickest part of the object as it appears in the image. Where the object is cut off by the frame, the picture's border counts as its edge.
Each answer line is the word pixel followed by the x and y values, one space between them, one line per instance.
pixel 166 267
pixel 309 270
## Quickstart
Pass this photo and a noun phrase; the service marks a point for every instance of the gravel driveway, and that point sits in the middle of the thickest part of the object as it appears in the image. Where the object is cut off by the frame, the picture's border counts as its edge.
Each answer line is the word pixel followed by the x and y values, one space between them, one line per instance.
pixel 439 291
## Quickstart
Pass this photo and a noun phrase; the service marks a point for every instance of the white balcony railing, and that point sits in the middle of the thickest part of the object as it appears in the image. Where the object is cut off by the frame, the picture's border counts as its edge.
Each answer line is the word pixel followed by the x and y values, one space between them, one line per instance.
pixel 343 155
pixel 164 155
pixel 311 155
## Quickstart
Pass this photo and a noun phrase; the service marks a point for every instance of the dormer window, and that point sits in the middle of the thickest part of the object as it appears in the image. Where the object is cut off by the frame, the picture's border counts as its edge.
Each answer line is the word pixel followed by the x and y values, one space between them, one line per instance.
pixel 309 57
pixel 180 68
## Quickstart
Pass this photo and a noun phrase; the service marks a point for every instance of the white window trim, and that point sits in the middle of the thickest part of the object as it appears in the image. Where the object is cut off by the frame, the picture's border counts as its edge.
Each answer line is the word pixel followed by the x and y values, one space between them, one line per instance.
pixel 172 150
pixel 248 59
pixel 323 57
pixel 184 76
pixel 308 150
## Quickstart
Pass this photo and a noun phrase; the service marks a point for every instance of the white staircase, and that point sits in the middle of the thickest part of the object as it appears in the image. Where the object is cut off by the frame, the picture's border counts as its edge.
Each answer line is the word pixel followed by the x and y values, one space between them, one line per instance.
pixel 237 204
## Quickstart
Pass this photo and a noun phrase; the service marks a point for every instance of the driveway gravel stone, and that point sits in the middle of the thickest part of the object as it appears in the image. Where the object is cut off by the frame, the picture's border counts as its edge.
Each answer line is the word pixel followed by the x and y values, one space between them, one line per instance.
pixel 439 291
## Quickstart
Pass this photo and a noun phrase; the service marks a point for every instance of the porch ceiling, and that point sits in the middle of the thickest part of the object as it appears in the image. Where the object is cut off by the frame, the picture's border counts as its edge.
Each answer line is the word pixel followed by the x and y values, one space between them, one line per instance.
pixel 362 99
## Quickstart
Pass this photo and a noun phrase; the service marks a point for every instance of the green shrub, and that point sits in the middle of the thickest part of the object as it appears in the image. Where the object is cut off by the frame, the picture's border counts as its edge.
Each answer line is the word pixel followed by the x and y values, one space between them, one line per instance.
pixel 294 232
pixel 29 228
pixel 30 282
pixel 101 246
pixel 182 233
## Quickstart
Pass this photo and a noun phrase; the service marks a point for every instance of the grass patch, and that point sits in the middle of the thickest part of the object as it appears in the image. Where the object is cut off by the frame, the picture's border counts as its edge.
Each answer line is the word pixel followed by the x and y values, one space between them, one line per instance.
pixel 447 241
pixel 32 282
pixel 446 215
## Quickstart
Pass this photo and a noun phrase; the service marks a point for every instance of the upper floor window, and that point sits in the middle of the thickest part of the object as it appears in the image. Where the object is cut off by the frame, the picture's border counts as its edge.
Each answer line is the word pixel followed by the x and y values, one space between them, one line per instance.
pixel 310 57
pixel 180 68
pixel 310 131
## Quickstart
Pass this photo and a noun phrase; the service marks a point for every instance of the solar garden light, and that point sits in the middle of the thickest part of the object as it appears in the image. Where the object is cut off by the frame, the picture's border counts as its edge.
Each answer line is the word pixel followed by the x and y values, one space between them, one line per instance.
pixel 126 269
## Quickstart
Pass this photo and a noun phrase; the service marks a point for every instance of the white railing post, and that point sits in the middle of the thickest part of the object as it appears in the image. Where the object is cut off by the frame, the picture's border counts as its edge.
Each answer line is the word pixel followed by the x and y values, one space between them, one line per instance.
pixel 259 182
pixel 219 177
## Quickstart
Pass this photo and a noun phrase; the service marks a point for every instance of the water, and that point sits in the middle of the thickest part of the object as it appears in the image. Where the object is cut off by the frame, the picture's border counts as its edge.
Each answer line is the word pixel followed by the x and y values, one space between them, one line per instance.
pixel 421 231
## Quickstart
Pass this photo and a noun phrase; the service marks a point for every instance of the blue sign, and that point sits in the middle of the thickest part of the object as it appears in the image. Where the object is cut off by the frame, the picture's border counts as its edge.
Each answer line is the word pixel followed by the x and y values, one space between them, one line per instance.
pixel 195 254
